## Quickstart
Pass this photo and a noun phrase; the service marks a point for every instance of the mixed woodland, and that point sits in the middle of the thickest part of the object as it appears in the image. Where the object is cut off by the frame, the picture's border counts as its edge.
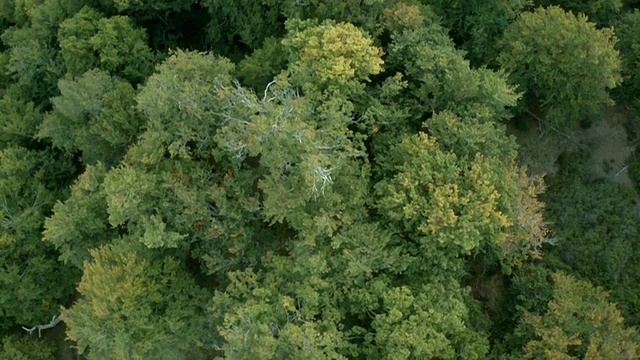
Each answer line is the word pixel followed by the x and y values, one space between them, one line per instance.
pixel 314 179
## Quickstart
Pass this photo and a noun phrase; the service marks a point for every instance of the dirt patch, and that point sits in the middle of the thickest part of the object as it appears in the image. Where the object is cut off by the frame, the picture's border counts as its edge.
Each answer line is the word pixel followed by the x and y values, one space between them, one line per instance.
pixel 610 141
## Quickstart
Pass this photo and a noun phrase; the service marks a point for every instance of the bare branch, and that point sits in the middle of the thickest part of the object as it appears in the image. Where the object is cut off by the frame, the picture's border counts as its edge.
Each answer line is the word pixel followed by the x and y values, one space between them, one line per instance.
pixel 267 90
pixel 621 170
pixel 322 175
pixel 54 321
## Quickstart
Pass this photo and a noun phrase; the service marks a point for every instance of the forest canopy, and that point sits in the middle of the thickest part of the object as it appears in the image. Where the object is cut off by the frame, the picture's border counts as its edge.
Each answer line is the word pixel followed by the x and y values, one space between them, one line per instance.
pixel 310 179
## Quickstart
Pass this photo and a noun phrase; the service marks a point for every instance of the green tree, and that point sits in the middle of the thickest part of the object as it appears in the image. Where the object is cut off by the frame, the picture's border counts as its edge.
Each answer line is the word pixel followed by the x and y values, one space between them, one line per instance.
pixel 136 308
pixel 436 74
pixel 32 65
pixel 627 30
pixel 435 200
pixel 337 275
pixel 89 40
pixel 595 223
pixel 80 223
pixel 562 62
pixel 33 62
pixel 602 12
pixel 477 26
pixel 330 55
pixel 19 120
pixel 33 282
pixel 95 115
pixel 19 347
pixel 240 24
pixel 258 69
pixel 181 102
pixel 580 324
pixel 365 15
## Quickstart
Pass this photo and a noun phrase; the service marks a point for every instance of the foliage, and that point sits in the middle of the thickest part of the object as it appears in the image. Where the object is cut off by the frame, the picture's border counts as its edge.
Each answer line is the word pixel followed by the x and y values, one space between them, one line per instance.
pixel 428 200
pixel 563 63
pixel 89 40
pixel 32 65
pixel 247 21
pixel 18 121
pixel 17 347
pixel 439 78
pixel 301 179
pixel 405 321
pixel 580 323
pixel 80 222
pixel 179 102
pixel 478 25
pixel 95 115
pixel 627 29
pixel 401 335
pixel 595 219
pixel 634 169
pixel 257 70
pixel 602 12
pixel 33 283
pixel 33 57
pixel 134 308
pixel 146 8
pixel 310 167
pixel 330 55
pixel 363 14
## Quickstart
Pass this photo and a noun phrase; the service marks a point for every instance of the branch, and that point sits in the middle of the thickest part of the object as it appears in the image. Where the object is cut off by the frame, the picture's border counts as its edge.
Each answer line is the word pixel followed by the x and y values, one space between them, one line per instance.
pixel 541 122
pixel 266 90
pixel 621 170
pixel 54 321
pixel 570 138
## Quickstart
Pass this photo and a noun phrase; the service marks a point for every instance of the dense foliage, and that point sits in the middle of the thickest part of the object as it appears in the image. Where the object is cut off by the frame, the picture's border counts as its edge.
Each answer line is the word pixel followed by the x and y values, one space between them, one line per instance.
pixel 562 62
pixel 308 179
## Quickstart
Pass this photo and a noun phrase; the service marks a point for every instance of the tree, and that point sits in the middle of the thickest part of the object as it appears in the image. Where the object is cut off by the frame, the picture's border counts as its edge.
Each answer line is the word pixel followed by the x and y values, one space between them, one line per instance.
pixel 602 12
pixel 379 264
pixel 477 26
pixel 595 223
pixel 89 40
pixel 20 347
pixel 580 324
pixel 428 201
pixel 180 103
pixel 339 302
pixel 257 70
pixel 401 332
pixel 95 115
pixel 80 223
pixel 330 55
pixel 437 76
pixel 33 62
pixel 19 120
pixel 33 282
pixel 246 22
pixel 627 29
pixel 365 15
pixel 562 62
pixel 136 308
pixel 32 65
